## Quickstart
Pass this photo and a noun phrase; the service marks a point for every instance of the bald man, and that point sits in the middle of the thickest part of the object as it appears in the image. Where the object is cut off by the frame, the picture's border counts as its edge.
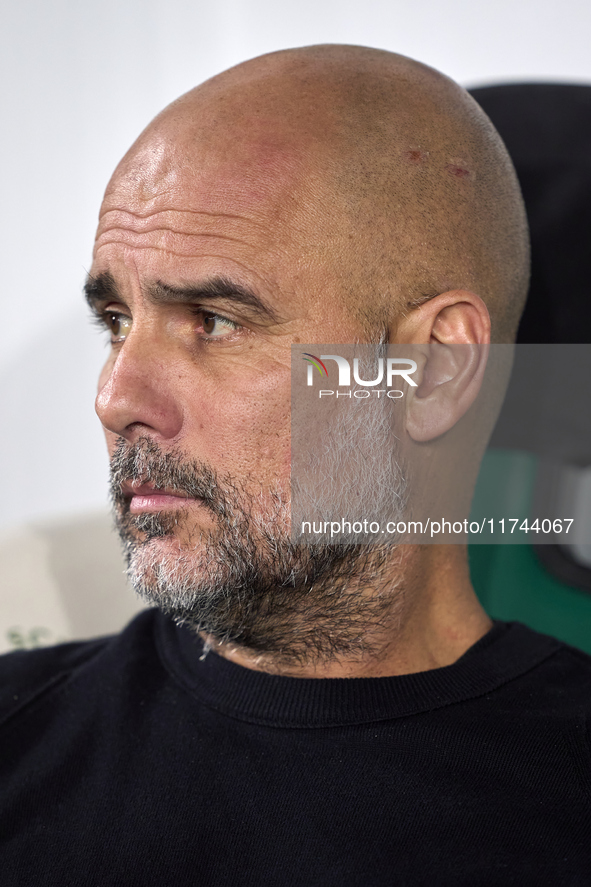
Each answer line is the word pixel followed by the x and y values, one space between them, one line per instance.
pixel 327 194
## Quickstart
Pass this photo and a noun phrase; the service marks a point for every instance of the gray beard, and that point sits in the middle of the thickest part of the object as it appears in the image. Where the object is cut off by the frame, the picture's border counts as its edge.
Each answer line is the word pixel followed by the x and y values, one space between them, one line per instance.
pixel 245 583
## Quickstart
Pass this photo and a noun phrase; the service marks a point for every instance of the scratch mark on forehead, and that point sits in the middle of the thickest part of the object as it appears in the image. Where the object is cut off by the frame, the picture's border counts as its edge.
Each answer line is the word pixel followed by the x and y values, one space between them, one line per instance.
pixel 460 172
pixel 417 156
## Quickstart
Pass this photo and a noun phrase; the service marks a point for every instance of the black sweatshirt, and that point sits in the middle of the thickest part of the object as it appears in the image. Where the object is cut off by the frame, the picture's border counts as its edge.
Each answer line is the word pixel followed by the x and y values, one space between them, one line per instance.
pixel 132 761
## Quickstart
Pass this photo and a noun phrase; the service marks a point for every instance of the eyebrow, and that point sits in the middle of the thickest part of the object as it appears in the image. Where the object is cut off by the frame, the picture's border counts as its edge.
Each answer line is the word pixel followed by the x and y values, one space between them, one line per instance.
pixel 103 288
pixel 100 289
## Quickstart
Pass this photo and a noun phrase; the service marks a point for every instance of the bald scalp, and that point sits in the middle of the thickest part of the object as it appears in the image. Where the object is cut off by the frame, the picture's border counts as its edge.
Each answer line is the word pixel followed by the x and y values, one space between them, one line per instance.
pixel 415 191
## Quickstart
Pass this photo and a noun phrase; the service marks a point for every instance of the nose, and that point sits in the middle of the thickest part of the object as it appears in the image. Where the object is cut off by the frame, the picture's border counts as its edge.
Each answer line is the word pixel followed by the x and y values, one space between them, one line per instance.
pixel 136 393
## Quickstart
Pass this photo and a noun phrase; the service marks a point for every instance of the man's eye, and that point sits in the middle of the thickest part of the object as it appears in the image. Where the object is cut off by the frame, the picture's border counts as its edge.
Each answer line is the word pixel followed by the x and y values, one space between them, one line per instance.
pixel 119 325
pixel 215 326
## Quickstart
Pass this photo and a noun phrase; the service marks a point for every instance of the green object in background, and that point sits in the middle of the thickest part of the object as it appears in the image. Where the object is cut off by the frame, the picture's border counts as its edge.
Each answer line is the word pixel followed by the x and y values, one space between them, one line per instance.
pixel 511 583
pixel 509 580
pixel 504 491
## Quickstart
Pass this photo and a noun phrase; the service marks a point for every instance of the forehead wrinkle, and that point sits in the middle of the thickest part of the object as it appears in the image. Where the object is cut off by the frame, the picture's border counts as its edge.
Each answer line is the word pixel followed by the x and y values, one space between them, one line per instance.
pixel 254 241
pixel 193 212
pixel 172 252
pixel 185 240
pixel 128 237
pixel 170 219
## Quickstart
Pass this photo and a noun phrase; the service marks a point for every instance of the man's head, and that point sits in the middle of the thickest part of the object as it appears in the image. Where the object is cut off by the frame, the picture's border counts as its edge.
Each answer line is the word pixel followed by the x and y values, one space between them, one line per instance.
pixel 328 194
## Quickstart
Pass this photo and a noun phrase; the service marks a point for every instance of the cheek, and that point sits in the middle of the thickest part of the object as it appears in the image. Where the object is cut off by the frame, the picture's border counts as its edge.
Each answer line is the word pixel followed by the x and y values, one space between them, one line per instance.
pixel 244 427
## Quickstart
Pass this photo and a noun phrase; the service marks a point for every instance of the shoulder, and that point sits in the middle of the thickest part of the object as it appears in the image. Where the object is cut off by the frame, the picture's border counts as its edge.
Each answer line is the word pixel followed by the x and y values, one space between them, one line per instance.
pixel 26 675
pixel 574 668
pixel 575 661
pixel 555 677
pixel 580 660
pixel 545 648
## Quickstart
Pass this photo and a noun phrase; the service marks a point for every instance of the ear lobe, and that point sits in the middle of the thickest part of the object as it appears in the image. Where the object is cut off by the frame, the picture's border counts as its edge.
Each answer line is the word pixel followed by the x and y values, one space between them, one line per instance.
pixel 451 379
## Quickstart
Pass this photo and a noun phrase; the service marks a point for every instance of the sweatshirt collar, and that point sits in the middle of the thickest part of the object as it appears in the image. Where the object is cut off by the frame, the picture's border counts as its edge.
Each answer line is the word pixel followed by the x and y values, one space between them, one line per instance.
pixel 505 652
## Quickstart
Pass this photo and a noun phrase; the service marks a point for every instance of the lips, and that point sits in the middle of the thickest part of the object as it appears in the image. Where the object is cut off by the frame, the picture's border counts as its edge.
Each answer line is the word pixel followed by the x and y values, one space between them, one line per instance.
pixel 145 497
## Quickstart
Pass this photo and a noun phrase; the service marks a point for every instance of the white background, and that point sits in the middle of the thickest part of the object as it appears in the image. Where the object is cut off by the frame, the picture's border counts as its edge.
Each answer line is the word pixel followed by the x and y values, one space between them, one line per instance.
pixel 79 82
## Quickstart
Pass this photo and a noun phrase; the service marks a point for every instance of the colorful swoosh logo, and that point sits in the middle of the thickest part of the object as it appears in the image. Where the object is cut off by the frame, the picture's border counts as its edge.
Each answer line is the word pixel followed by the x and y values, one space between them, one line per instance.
pixel 315 361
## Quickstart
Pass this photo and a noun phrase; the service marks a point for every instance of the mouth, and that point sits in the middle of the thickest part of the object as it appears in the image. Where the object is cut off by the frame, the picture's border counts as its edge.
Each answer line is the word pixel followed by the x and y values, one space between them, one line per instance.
pixel 145 498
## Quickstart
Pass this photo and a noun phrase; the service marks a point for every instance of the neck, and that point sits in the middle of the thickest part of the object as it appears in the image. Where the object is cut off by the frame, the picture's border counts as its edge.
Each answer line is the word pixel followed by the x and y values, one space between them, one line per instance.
pixel 437 618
